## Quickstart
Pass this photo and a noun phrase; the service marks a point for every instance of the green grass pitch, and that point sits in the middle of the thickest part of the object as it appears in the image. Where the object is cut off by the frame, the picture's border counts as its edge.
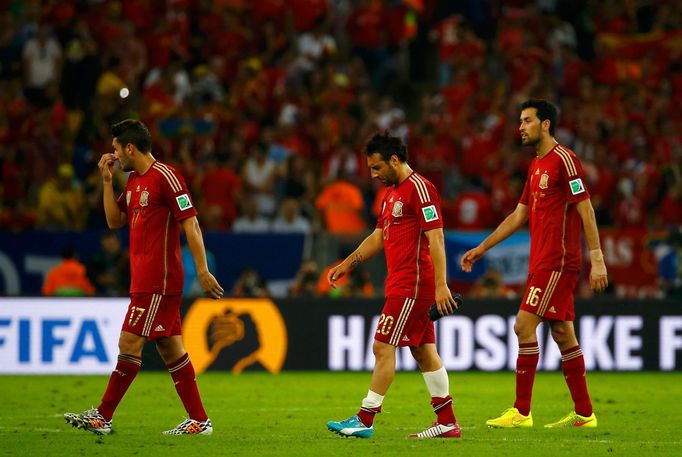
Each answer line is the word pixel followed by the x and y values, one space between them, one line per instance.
pixel 267 415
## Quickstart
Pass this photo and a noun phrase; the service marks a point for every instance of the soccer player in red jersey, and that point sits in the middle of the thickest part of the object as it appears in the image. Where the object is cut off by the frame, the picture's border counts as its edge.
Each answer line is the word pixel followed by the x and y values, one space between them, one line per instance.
pixel 410 230
pixel 155 204
pixel 555 202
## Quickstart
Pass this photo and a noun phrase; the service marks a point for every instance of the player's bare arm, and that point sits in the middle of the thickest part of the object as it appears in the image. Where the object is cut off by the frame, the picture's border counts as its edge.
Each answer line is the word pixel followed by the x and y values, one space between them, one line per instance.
pixel 598 276
pixel 115 217
pixel 444 302
pixel 509 225
pixel 195 241
pixel 368 248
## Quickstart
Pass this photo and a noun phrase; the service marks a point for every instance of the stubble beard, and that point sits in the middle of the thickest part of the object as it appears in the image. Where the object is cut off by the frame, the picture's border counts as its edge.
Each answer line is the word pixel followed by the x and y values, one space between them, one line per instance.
pixel 530 141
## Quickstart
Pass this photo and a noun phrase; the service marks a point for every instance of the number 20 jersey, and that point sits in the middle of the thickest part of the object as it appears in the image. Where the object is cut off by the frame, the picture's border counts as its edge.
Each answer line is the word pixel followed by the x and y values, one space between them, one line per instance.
pixel 409 209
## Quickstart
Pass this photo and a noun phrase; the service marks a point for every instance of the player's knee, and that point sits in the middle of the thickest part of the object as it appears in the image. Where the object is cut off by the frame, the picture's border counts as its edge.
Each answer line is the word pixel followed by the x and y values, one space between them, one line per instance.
pixel 381 350
pixel 419 355
pixel 130 346
pixel 170 349
pixel 560 335
pixel 523 330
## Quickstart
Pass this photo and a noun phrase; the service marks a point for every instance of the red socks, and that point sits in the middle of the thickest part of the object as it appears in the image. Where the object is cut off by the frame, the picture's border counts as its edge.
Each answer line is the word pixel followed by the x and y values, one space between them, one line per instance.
pixel 366 415
pixel 526 365
pixel 574 371
pixel 442 406
pixel 183 375
pixel 126 369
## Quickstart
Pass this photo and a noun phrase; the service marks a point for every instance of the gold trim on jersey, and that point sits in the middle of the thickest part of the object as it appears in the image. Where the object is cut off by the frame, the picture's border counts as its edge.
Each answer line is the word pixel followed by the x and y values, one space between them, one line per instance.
pixel 153 308
pixel 169 175
pixel 402 320
pixel 165 253
pixel 420 185
pixel 549 291
pixel 567 159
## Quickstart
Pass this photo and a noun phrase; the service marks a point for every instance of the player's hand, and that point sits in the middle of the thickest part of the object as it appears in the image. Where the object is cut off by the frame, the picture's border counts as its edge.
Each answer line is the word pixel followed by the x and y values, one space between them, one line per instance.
pixel 106 166
pixel 470 257
pixel 336 273
pixel 599 279
pixel 598 283
pixel 210 285
pixel 444 302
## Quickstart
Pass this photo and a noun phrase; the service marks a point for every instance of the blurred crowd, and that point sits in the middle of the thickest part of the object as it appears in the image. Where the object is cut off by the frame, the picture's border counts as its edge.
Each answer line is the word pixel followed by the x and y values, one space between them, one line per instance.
pixel 264 106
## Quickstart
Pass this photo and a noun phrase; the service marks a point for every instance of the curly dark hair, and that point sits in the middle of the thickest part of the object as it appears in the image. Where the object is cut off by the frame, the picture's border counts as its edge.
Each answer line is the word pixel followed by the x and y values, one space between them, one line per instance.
pixel 386 145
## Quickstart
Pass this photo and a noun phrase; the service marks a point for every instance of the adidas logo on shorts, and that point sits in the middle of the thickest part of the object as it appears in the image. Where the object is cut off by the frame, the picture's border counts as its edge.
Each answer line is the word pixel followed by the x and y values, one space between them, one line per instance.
pixel 159 328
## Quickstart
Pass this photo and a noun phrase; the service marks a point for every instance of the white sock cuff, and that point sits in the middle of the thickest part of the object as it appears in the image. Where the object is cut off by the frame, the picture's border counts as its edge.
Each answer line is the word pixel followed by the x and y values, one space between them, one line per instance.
pixel 372 400
pixel 437 382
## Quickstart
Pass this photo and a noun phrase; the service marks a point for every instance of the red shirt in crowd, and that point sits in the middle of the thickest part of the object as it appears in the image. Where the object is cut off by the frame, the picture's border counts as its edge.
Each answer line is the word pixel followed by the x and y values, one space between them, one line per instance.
pixel 155 203
pixel 364 27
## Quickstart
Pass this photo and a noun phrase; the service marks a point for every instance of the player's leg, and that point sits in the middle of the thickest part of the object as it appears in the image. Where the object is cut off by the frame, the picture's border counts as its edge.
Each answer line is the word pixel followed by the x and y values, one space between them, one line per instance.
pixel 387 337
pixel 130 344
pixel 525 328
pixel 170 347
pixel 573 364
pixel 362 424
pixel 128 365
pixel 438 384
pixel 98 420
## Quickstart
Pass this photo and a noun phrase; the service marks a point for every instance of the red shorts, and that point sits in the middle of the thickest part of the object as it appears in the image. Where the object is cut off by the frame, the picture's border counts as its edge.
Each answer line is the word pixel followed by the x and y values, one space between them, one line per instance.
pixel 549 294
pixel 405 322
pixel 153 316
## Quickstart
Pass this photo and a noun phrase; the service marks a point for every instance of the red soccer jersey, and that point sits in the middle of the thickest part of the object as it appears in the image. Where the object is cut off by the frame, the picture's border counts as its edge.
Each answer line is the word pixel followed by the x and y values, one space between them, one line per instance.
pixel 554 185
pixel 410 209
pixel 155 203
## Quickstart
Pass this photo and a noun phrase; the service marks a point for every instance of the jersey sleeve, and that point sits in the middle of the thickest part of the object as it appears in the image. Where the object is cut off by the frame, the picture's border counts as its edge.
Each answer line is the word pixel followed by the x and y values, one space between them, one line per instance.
pixel 174 191
pixel 525 195
pixel 572 177
pixel 380 217
pixel 122 202
pixel 426 201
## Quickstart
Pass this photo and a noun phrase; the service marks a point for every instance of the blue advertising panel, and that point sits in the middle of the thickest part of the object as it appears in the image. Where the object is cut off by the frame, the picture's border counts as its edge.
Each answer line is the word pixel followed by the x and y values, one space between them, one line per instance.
pixel 25 258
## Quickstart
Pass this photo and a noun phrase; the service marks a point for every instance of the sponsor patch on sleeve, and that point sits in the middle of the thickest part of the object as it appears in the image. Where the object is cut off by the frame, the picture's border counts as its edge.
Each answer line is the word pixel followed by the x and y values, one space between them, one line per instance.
pixel 183 202
pixel 430 213
pixel 576 186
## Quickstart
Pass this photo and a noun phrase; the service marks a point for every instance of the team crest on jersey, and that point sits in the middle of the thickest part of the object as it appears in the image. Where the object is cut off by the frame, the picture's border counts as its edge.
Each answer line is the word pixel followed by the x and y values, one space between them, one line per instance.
pixel 183 202
pixel 397 209
pixel 128 195
pixel 144 198
pixel 544 180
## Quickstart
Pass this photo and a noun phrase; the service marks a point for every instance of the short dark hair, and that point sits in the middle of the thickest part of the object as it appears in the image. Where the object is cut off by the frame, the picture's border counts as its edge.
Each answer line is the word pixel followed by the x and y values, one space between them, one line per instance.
pixel 386 145
pixel 545 111
pixel 131 131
